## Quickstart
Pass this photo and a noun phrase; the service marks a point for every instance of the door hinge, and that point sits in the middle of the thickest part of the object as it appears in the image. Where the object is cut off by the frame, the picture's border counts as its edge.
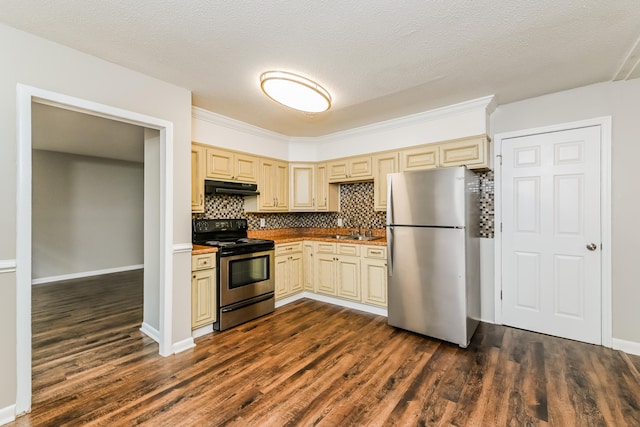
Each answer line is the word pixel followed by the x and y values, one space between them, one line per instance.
pixel 501 295
pixel 499 156
pixel 501 227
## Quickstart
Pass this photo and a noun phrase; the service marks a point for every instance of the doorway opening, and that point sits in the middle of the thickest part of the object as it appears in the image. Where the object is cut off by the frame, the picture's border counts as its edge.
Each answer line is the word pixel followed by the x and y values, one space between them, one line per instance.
pixel 158 143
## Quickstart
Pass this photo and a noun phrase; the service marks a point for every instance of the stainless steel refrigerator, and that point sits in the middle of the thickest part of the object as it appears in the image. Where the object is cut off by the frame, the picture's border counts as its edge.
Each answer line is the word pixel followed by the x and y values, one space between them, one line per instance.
pixel 433 251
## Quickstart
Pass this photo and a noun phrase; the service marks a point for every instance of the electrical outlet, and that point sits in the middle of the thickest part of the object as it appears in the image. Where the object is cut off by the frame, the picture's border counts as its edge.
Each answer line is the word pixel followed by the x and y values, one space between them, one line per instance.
pixel 262 222
pixel 339 222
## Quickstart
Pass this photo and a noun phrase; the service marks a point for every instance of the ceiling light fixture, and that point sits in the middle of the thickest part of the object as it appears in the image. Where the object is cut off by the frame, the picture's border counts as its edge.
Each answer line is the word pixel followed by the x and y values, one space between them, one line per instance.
pixel 295 91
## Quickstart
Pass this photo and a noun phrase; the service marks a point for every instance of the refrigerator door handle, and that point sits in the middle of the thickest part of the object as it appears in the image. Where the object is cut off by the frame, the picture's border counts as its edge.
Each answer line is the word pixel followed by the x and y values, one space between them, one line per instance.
pixel 390 251
pixel 389 200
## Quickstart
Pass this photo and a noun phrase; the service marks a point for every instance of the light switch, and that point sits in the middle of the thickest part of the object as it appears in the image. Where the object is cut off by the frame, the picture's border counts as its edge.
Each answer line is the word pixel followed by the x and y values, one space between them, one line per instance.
pixel 262 222
pixel 339 222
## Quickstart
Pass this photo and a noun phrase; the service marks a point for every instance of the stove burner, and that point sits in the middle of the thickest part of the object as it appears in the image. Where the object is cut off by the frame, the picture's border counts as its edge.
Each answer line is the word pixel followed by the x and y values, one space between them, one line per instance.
pixel 229 235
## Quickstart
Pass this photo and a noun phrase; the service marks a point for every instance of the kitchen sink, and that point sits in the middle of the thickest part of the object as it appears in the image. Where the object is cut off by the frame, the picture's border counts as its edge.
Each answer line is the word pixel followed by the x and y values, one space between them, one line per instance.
pixel 347 237
pixel 366 238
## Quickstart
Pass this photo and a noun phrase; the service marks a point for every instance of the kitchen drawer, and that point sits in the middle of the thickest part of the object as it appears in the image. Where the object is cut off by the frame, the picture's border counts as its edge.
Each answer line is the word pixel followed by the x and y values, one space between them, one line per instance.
pixel 346 249
pixel 325 248
pixel 203 262
pixel 288 248
pixel 377 252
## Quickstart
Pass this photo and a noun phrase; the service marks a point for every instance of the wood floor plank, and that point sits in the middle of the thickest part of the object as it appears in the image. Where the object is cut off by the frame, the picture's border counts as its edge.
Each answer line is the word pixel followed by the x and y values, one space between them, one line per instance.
pixel 308 363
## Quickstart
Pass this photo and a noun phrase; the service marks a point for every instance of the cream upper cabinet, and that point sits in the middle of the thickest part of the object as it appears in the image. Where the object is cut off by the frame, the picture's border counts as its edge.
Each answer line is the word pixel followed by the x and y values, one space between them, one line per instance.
pixel 383 164
pixel 281 179
pixel 197 177
pixel 273 186
pixel 203 290
pixel 231 166
pixel 302 191
pixel 425 157
pixel 326 194
pixel 471 152
pixel 350 169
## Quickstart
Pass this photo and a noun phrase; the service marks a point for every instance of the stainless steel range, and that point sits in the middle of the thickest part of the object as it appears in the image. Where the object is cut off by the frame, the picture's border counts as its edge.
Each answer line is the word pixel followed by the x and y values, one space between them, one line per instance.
pixel 245 270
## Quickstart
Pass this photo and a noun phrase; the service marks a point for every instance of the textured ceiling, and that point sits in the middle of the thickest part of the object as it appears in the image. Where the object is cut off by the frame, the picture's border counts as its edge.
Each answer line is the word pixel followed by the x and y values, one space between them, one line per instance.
pixel 380 59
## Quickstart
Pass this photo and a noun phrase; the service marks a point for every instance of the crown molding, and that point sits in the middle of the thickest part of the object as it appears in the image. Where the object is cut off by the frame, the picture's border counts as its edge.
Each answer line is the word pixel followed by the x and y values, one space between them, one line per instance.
pixel 488 103
pixel 228 122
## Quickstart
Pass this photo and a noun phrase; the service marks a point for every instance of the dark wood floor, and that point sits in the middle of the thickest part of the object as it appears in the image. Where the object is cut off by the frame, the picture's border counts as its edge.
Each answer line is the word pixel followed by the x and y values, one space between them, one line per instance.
pixel 309 363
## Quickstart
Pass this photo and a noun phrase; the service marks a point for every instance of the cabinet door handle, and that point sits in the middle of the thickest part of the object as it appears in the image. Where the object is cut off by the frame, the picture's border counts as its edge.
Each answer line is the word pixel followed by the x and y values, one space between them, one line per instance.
pixel 313 202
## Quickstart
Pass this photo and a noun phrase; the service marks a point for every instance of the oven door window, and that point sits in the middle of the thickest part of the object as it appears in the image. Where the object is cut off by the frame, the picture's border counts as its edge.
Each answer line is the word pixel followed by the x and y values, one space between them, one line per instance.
pixel 245 271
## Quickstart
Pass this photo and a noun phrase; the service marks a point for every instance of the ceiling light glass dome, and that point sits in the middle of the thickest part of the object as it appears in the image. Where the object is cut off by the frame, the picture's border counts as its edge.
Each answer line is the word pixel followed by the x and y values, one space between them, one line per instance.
pixel 295 91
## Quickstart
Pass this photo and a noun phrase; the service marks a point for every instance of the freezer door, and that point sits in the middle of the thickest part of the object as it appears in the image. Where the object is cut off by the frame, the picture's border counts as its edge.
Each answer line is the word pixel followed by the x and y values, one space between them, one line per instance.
pixel 431 197
pixel 426 282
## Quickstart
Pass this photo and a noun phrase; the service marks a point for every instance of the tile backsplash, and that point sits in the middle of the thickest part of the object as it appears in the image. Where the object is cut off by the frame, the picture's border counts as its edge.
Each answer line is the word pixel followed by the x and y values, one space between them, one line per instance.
pixel 356 209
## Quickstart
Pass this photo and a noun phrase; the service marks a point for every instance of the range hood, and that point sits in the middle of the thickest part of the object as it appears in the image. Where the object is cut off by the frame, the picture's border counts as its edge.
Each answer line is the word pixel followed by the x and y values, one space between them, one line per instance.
pixel 226 187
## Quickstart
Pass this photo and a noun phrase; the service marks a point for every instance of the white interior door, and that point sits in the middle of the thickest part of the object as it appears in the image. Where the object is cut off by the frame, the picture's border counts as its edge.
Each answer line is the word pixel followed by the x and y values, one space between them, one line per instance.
pixel 551 235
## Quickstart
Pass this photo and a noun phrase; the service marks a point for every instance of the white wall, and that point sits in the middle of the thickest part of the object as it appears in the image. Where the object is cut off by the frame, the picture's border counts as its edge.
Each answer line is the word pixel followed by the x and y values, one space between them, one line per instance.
pixel 457 121
pixel 87 214
pixel 621 100
pixel 33 61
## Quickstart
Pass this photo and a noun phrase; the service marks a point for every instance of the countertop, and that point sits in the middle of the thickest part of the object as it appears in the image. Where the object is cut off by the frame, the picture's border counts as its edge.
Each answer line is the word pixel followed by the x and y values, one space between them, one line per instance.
pixel 290 235
pixel 201 249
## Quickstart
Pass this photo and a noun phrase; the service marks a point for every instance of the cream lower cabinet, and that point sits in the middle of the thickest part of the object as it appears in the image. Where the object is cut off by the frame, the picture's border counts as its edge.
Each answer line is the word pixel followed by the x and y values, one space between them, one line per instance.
pixel 307 264
pixel 289 269
pixel 337 270
pixel 374 276
pixel 348 277
pixel 203 290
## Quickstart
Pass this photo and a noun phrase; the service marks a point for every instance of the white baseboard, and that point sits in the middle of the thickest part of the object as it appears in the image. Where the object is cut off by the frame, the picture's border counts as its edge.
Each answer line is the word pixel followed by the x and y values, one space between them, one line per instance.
pixel 202 331
pixel 7 414
pixel 183 345
pixel 150 331
pixel 182 248
pixel 630 347
pixel 292 298
pixel 335 301
pixel 82 274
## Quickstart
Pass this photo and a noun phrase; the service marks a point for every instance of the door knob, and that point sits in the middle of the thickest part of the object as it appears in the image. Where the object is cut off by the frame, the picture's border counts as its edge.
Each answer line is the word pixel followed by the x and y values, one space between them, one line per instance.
pixel 592 246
